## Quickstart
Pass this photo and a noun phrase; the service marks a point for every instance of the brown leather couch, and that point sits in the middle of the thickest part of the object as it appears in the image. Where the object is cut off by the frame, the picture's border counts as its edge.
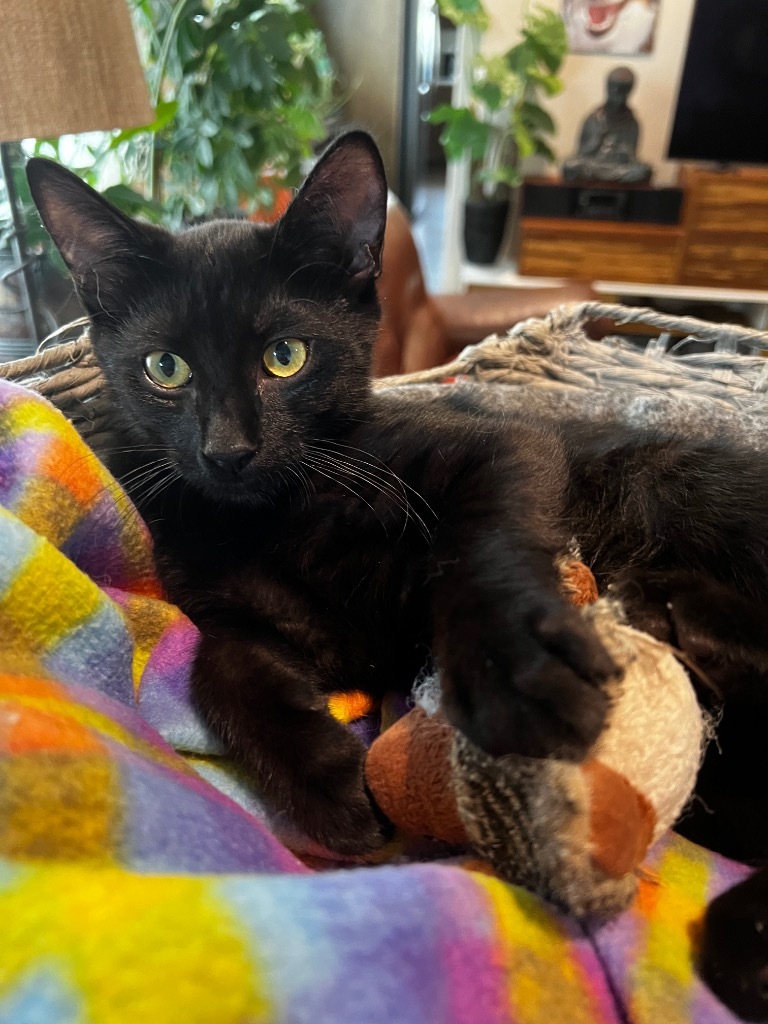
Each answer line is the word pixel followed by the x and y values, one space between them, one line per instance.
pixel 420 330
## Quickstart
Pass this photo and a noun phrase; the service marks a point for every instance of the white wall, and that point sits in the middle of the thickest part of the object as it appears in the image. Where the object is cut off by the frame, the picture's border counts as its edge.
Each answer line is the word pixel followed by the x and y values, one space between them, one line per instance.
pixel 657 79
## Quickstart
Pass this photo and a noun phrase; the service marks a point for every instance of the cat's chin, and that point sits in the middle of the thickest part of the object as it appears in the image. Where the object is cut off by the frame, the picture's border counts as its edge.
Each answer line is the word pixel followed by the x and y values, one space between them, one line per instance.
pixel 254 491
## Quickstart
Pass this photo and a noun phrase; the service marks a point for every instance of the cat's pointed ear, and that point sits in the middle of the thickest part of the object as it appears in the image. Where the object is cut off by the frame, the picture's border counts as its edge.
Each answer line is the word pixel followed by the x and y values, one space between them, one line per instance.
pixel 106 252
pixel 339 214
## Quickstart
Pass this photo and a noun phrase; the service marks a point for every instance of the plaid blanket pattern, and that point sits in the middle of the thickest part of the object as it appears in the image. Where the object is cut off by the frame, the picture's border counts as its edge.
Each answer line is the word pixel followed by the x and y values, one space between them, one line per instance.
pixel 132 889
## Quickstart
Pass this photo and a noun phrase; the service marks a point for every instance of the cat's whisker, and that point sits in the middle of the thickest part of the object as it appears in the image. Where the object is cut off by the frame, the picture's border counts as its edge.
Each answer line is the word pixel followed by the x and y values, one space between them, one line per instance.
pixel 141 484
pixel 345 460
pixel 364 476
pixel 308 483
pixel 377 464
pixel 344 469
pixel 124 507
pixel 373 478
pixel 377 480
pixel 283 476
pixel 347 487
pixel 383 486
pixel 330 475
pixel 73 465
pixel 143 468
pixel 375 460
pixel 135 480
pixel 303 481
pixel 120 449
pixel 127 512
pixel 132 480
pixel 314 263
pixel 160 485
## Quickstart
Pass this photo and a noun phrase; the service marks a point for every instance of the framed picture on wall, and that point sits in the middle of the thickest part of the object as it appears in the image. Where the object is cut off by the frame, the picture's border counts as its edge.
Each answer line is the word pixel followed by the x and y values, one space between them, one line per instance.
pixel 621 28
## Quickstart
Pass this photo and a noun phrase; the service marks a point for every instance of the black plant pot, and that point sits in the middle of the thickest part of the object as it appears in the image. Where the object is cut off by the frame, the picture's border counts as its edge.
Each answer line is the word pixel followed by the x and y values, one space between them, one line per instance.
pixel 484 223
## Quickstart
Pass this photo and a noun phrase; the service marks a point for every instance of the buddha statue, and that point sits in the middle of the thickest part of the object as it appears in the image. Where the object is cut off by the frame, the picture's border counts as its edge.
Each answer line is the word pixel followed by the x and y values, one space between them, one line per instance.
pixel 608 140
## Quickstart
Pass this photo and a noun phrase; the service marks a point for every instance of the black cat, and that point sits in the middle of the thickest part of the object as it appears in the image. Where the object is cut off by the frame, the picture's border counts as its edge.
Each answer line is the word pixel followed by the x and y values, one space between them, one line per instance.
pixel 326 537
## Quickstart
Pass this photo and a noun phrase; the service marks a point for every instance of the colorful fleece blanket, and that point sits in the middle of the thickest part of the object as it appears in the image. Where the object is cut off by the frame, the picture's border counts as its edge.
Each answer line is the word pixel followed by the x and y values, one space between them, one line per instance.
pixel 133 890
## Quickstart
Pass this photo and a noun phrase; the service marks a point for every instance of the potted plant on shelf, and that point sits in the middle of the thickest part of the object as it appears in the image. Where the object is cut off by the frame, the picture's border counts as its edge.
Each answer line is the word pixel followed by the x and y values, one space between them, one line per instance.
pixel 504 121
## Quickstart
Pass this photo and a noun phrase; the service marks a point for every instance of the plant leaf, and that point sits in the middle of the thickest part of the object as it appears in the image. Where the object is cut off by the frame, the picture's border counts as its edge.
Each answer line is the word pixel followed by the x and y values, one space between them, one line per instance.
pixel 492 77
pixel 463 132
pixel 501 176
pixel 164 114
pixel 542 149
pixel 526 145
pixel 465 12
pixel 536 118
pixel 551 84
pixel 488 93
pixel 545 31
pixel 133 203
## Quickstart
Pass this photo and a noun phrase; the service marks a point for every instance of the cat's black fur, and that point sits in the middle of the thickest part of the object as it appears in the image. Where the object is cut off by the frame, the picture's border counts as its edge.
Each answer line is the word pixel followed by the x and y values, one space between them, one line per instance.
pixel 733 948
pixel 326 537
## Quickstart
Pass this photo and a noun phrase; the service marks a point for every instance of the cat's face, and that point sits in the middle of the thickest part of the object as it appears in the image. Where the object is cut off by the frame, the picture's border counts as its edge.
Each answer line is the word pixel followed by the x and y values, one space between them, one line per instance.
pixel 232 346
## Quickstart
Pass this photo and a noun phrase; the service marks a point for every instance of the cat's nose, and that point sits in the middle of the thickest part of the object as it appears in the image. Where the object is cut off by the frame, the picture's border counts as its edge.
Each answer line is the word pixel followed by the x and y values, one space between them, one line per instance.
pixel 231 462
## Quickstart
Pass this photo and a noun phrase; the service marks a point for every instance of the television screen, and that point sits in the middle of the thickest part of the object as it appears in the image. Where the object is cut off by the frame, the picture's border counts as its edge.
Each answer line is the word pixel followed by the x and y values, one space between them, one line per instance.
pixel 722 108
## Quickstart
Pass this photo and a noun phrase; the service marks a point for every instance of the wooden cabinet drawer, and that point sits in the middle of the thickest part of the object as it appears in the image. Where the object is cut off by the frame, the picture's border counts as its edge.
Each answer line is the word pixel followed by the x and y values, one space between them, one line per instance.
pixel 729 203
pixel 591 250
pixel 728 262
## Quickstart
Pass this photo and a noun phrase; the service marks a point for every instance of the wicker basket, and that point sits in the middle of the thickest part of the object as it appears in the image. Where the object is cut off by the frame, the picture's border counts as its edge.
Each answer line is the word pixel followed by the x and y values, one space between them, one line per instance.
pixel 554 353
pixel 68 376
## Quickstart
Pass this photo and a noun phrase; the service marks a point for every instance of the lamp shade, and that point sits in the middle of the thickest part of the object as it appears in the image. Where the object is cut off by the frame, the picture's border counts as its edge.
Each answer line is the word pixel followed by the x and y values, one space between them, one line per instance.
pixel 68 66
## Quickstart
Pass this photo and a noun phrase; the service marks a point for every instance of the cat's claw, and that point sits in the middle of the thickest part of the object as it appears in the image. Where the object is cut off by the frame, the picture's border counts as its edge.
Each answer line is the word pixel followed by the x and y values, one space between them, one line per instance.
pixel 538 693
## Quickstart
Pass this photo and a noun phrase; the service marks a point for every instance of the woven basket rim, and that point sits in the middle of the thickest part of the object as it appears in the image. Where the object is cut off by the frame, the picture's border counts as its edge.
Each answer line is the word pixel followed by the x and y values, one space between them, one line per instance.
pixel 553 352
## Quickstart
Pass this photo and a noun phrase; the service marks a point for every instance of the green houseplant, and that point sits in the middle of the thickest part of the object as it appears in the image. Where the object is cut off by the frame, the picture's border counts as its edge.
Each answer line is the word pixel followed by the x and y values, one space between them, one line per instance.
pixel 241 89
pixel 504 121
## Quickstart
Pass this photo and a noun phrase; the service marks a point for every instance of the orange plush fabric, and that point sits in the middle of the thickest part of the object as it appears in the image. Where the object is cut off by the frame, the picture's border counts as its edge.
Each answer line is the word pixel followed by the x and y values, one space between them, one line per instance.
pixel 408 769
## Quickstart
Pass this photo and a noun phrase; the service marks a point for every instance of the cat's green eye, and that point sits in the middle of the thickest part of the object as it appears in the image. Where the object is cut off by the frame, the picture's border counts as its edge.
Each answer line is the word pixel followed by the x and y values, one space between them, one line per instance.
pixel 285 357
pixel 167 369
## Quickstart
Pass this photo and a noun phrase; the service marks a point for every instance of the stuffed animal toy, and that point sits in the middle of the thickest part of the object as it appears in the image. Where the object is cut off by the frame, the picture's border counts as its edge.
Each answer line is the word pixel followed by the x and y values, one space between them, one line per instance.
pixel 573 833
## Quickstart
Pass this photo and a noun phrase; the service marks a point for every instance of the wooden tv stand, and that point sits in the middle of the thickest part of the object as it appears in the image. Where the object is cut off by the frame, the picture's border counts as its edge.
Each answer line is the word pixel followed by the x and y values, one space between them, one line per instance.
pixel 720 239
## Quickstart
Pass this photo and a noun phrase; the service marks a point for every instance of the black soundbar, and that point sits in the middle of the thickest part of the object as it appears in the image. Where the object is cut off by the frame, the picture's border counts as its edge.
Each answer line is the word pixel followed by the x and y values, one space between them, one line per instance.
pixel 631 203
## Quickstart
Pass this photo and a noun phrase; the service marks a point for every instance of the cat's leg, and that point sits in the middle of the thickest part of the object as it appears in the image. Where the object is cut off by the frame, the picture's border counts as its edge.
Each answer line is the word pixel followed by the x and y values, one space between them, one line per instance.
pixel 733 953
pixel 263 700
pixel 720 629
pixel 721 634
pixel 521 670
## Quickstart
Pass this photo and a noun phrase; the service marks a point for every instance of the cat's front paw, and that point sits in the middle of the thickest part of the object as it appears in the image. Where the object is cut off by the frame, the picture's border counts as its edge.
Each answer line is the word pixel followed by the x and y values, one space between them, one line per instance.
pixel 332 804
pixel 538 691
pixel 345 821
